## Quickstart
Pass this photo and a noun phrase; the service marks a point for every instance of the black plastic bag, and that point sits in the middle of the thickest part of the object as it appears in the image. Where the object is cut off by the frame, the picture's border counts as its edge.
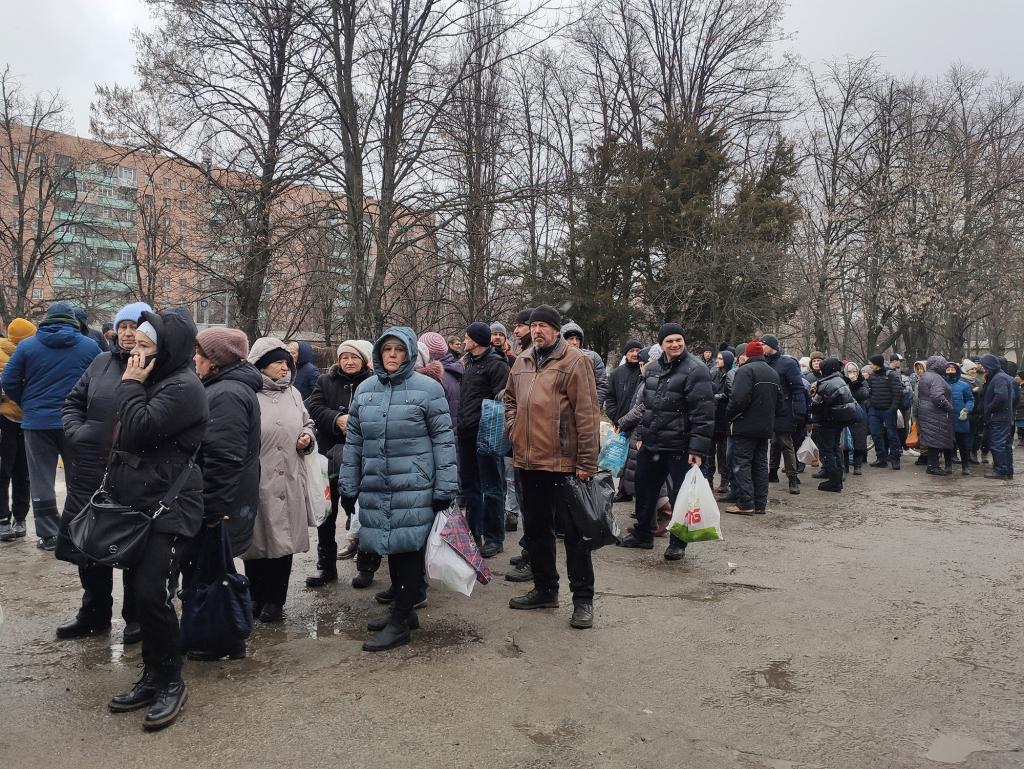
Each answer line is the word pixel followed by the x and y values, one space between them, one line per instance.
pixel 588 505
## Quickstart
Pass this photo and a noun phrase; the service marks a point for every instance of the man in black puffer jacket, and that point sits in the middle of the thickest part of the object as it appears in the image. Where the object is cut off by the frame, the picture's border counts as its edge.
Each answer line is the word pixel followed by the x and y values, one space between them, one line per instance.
pixel 794 408
pixel 620 395
pixel 833 408
pixel 885 395
pixel 677 426
pixel 754 405
pixel 328 406
pixel 88 417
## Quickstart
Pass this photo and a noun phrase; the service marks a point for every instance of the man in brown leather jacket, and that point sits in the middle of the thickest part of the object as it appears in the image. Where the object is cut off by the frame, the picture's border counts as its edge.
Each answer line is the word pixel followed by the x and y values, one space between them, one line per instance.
pixel 552 417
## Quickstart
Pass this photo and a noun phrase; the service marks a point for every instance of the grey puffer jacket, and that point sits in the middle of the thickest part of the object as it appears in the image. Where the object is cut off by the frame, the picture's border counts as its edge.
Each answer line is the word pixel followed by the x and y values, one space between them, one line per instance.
pixel 399 457
pixel 934 406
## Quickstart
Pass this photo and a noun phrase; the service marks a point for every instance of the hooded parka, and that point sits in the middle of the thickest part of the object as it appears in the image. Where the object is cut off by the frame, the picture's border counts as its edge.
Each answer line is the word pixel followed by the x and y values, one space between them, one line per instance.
pixel 934 406
pixel 399 457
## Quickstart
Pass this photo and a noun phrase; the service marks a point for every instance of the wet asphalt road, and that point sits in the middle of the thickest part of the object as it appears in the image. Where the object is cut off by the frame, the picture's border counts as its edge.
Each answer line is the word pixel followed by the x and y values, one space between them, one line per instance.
pixel 880 628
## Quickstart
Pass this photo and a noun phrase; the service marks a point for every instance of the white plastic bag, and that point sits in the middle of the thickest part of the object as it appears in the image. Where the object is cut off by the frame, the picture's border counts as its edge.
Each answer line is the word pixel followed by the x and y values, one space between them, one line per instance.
pixel 808 452
pixel 445 567
pixel 318 489
pixel 695 516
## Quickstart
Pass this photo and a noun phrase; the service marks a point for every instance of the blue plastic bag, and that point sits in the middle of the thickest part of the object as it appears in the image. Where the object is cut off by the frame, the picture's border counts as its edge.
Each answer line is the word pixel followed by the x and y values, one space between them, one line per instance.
pixel 491 440
pixel 613 456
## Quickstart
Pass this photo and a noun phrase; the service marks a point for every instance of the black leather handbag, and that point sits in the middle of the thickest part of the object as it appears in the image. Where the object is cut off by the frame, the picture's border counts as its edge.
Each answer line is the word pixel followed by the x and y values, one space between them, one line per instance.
pixel 112 534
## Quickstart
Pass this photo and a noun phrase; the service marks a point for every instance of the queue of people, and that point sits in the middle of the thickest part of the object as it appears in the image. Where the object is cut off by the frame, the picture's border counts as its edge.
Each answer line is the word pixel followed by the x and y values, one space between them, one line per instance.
pixel 231 428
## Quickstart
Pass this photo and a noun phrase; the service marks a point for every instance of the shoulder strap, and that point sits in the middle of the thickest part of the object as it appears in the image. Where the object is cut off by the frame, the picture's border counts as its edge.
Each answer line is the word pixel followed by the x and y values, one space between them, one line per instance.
pixel 171 496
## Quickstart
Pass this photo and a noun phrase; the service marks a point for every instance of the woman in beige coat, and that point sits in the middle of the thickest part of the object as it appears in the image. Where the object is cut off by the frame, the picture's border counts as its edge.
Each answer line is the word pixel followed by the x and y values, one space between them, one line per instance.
pixel 286 437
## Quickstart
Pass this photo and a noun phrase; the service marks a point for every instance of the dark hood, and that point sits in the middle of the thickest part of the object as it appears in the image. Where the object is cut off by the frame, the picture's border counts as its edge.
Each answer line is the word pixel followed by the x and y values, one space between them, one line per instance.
pixel 243 372
pixel 305 354
pixel 937 365
pixel 728 358
pixel 176 341
pixel 991 364
pixel 58 335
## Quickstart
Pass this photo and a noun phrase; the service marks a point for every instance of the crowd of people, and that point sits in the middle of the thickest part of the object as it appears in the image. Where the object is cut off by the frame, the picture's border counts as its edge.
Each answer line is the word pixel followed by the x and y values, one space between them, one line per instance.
pixel 150 404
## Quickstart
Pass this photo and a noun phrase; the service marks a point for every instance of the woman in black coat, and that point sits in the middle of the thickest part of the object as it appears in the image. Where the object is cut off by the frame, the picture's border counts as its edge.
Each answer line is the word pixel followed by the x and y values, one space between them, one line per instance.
pixel 162 414
pixel 328 406
pixel 858 430
pixel 88 416
pixel 230 457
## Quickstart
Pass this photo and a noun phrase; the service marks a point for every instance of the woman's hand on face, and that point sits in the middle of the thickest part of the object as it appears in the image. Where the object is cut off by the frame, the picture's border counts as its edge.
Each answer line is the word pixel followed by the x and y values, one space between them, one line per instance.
pixel 137 370
pixel 303 442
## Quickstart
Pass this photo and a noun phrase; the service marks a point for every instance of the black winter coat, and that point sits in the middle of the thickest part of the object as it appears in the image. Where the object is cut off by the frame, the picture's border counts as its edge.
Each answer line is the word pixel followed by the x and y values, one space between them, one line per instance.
pixel 331 398
pixel 832 402
pixel 756 401
pixel 88 416
pixel 678 406
pixel 162 422
pixel 230 457
pixel 886 389
pixel 622 384
pixel 485 377
pixel 794 394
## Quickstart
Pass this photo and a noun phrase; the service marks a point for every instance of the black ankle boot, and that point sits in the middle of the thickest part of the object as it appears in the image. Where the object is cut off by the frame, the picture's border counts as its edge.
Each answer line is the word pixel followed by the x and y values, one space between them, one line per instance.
pixel 395 633
pixel 380 623
pixel 321 577
pixel 143 693
pixel 166 707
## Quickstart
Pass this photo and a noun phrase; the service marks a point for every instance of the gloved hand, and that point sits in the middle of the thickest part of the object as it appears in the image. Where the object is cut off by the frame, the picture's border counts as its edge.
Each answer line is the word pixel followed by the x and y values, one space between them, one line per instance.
pixel 440 505
pixel 963 415
pixel 348 504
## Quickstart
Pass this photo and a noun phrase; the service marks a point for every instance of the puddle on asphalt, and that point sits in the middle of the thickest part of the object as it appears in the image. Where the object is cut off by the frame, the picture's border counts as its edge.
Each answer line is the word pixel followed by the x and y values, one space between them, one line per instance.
pixel 776 676
pixel 954 748
pixel 566 733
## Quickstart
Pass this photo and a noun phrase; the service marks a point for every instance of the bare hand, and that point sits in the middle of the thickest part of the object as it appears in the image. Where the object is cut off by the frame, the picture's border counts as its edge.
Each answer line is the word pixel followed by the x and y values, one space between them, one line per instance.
pixel 135 371
pixel 583 475
pixel 342 422
pixel 303 442
pixel 695 460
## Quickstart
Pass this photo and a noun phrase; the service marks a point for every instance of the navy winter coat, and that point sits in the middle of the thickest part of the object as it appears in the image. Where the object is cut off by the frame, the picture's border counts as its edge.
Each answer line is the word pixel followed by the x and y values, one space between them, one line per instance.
pixel 794 393
pixel 306 372
pixel 399 456
pixel 42 371
pixel 934 406
pixel 997 406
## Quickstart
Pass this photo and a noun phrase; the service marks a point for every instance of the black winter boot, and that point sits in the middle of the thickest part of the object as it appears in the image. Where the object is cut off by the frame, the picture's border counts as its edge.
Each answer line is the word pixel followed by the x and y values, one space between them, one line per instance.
pixel 167 706
pixel 395 633
pixel 143 693
pixel 382 622
pixel 321 577
pixel 794 485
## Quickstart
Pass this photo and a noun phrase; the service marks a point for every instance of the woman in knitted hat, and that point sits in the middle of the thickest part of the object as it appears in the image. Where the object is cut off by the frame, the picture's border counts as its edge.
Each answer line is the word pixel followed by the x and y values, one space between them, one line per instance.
pixel 230 457
pixel 13 459
pixel 329 406
pixel 286 436
pixel 88 415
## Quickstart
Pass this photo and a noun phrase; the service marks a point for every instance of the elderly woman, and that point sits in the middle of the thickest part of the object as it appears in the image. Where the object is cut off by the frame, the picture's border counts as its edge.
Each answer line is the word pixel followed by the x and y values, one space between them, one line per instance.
pixel 858 430
pixel 934 415
pixel 963 407
pixel 162 415
pixel 286 436
pixel 399 461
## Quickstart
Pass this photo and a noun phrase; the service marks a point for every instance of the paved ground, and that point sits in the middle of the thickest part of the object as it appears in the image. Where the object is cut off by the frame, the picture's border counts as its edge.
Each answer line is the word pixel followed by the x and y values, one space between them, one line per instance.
pixel 880 628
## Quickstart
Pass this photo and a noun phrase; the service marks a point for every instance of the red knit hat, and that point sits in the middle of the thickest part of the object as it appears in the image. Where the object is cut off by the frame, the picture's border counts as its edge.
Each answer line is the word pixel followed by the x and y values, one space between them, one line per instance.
pixel 754 347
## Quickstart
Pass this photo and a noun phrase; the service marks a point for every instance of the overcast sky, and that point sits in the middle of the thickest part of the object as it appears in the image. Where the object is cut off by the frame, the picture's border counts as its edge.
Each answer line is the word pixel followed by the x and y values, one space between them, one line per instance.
pixel 69 45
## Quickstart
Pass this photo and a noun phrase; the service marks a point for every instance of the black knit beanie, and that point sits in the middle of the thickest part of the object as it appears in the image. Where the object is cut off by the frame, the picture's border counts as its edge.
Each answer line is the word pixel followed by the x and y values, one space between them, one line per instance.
pixel 830 366
pixel 877 360
pixel 632 344
pixel 545 313
pixel 523 318
pixel 667 330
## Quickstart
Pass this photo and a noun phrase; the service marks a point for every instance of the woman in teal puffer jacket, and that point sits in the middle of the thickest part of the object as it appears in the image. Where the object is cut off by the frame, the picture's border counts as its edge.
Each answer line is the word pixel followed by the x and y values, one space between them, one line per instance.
pixel 399 461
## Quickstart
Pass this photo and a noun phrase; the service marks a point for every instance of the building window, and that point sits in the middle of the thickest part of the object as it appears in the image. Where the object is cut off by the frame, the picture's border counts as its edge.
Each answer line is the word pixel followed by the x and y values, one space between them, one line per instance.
pixel 167 184
pixel 126 174
pixel 37 293
pixel 183 185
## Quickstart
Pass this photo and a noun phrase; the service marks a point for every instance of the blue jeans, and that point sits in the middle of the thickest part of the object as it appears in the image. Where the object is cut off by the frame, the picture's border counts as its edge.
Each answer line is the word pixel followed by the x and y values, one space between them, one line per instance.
pixel 483 487
pixel 1000 443
pixel 882 424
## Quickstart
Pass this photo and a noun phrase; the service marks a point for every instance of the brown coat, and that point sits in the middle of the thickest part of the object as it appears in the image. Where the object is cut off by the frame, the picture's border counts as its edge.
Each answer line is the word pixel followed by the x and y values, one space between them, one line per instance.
pixel 551 414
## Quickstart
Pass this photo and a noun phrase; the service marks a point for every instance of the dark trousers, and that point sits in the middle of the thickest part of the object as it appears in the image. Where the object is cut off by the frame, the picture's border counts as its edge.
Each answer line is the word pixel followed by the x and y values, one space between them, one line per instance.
pixel 43 448
pixel 14 486
pixel 97 595
pixel 154 580
pixel 652 470
pixel 750 471
pixel 407 580
pixel 540 505
pixel 268 579
pixel 826 438
pixel 718 460
pixel 935 454
pixel 964 441
pixel 882 424
pixel 1000 443
pixel 326 537
pixel 784 452
pixel 483 487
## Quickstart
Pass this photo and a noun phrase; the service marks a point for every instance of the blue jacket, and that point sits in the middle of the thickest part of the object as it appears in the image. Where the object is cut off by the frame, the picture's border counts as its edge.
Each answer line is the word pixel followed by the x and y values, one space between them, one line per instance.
pixel 399 456
pixel 997 406
pixel 794 393
pixel 42 371
pixel 962 398
pixel 306 372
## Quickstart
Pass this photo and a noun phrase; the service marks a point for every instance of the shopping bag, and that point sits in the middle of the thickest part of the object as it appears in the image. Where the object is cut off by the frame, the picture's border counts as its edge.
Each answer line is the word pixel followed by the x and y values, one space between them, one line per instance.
pixel 216 610
pixel 446 568
pixel 808 451
pixel 613 455
pixel 457 534
pixel 491 440
pixel 695 516
pixel 318 489
pixel 589 505
pixel 913 437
